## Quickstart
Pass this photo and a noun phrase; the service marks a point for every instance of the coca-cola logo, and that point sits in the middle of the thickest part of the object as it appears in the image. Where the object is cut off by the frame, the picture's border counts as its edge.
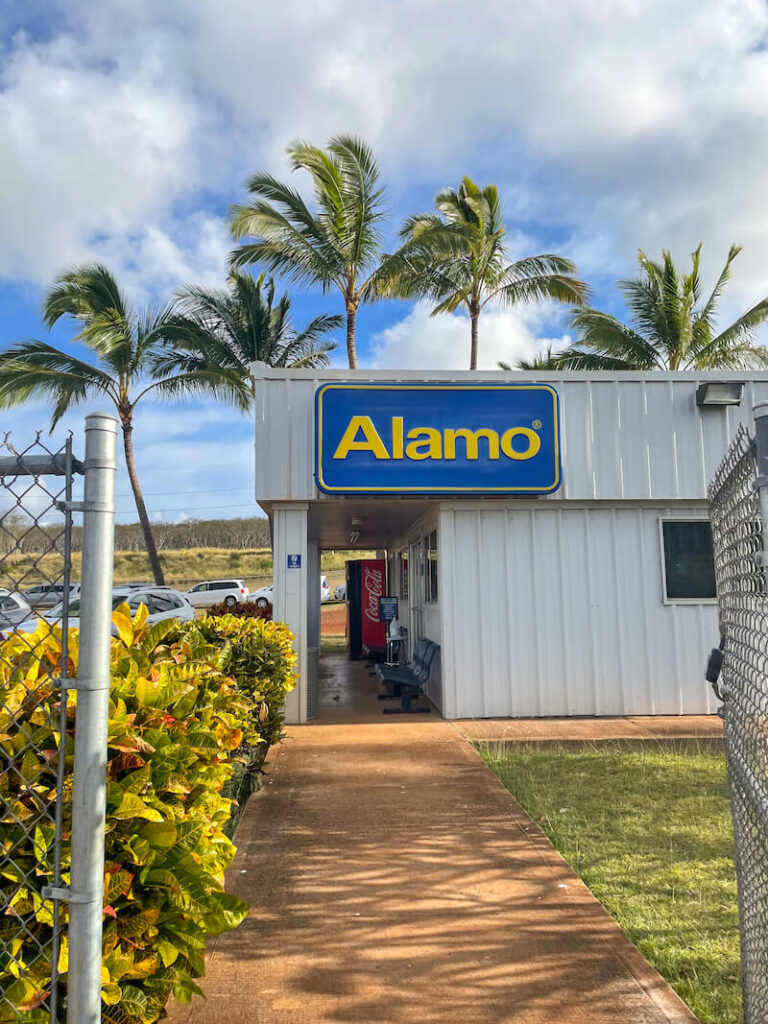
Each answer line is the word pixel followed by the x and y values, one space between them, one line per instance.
pixel 373 587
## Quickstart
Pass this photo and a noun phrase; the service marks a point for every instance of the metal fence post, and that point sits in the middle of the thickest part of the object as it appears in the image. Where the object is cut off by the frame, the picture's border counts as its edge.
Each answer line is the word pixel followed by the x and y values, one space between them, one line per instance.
pixel 90 768
pixel 760 413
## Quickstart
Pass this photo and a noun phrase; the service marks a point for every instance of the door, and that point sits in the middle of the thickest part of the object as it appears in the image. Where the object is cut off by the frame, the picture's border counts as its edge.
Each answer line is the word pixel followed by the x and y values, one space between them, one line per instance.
pixel 416 593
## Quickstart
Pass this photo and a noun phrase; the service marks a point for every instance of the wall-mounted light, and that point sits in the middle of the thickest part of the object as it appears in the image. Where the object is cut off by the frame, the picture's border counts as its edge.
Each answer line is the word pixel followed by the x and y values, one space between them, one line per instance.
pixel 720 392
pixel 354 537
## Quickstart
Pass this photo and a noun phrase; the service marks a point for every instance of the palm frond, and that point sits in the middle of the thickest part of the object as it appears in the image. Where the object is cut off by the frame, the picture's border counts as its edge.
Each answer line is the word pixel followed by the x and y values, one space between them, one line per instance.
pixel 600 333
pixel 84 292
pixel 36 370
pixel 710 306
pixel 558 287
pixel 230 386
pixel 743 328
pixel 246 323
pixel 577 359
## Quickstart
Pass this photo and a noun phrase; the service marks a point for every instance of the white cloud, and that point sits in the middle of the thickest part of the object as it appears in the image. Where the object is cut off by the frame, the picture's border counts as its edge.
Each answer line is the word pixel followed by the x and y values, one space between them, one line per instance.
pixel 615 125
pixel 94 151
pixel 192 459
pixel 443 342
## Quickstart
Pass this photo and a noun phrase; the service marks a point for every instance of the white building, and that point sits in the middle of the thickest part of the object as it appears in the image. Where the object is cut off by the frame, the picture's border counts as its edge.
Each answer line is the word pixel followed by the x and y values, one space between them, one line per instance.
pixel 595 598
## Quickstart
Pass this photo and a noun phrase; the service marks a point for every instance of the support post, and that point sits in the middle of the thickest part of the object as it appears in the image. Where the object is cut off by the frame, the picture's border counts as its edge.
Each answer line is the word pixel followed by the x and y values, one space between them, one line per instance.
pixel 760 413
pixel 90 769
pixel 290 582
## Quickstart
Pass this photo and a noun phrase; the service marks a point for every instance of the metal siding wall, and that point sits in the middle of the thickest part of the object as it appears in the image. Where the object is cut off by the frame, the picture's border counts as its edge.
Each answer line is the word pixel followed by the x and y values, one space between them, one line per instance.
pixel 560 612
pixel 623 437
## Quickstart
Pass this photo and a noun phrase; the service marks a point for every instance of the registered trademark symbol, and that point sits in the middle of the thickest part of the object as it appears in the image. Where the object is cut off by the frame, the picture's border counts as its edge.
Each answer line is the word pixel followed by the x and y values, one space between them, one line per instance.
pixel 536 424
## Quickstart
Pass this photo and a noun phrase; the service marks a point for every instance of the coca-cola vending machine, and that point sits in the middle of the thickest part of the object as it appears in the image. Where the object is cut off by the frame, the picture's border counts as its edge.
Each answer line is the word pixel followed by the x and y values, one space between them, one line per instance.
pixel 366 580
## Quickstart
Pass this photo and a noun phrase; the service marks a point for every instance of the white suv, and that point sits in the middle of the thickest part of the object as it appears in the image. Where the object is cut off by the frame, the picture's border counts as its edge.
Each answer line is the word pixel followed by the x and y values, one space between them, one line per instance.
pixel 203 595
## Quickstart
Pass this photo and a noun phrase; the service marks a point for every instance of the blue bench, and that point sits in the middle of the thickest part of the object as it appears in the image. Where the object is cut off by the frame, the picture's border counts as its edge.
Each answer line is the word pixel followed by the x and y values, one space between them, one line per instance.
pixel 408 681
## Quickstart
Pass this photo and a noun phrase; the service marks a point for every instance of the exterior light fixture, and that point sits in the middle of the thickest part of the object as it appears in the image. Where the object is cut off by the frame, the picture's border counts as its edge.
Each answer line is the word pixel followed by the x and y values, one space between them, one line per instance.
pixel 720 393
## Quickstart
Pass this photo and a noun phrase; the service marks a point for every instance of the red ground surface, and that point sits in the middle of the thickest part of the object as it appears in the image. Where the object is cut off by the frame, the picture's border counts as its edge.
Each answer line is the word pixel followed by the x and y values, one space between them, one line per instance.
pixel 333 619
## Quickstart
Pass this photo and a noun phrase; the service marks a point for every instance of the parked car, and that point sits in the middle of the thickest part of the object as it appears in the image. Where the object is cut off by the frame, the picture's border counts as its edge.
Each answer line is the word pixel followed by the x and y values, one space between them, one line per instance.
pixel 340 593
pixel 46 595
pixel 262 597
pixel 230 591
pixel 14 609
pixel 162 603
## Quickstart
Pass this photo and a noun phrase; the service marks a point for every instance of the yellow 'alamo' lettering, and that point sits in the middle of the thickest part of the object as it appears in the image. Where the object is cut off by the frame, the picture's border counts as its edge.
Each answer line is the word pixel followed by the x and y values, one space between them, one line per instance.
pixel 371 443
pixel 519 443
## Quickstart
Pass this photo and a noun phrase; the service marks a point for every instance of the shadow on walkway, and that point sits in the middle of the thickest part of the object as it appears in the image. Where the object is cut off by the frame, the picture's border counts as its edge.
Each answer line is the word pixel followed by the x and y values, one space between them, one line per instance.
pixel 393 879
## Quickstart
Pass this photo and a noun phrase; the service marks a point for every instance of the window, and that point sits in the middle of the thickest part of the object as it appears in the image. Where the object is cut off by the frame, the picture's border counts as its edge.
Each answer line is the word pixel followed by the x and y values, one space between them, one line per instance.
pixel 689 562
pixel 164 602
pixel 7 604
pixel 224 585
pixel 403 575
pixel 430 567
pixel 199 588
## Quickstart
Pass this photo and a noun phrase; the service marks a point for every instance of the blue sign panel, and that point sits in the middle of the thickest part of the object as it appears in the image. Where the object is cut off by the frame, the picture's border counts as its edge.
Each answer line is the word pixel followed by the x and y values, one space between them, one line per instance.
pixel 294 561
pixel 437 438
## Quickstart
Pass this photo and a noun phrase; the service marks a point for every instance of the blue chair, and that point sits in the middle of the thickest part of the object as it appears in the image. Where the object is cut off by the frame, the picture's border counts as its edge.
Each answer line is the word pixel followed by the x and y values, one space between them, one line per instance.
pixel 408 683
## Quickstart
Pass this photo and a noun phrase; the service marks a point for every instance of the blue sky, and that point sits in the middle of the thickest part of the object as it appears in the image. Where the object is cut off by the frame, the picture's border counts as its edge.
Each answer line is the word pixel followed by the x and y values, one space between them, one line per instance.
pixel 126 130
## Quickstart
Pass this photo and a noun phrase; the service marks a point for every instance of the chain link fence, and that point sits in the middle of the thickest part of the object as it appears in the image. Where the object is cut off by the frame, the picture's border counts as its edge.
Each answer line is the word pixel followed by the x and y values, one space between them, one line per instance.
pixel 36 750
pixel 53 776
pixel 737 530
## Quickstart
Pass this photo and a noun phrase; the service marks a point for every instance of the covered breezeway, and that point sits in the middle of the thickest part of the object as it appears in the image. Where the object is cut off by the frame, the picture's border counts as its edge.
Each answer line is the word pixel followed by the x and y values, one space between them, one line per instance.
pixel 302 531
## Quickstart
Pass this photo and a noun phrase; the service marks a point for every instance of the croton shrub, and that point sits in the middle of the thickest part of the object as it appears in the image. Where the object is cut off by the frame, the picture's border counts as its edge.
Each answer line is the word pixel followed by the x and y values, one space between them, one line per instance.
pixel 178 717
pixel 243 610
pixel 259 654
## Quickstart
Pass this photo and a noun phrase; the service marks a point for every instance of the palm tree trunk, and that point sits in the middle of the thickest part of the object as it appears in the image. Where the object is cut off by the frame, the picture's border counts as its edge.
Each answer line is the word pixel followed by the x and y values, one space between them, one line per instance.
pixel 473 351
pixel 141 508
pixel 351 351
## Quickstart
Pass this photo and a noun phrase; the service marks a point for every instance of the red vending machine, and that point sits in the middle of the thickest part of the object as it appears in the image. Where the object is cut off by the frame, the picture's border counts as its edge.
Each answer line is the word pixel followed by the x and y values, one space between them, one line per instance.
pixel 366 583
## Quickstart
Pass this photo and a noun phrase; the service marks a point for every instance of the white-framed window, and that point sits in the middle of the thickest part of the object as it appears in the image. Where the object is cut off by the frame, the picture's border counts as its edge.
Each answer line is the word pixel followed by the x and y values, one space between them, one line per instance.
pixel 687 561
pixel 430 567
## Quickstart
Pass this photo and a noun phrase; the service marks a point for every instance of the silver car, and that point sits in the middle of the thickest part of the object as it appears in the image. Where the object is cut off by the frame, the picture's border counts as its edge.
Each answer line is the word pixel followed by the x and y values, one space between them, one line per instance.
pixel 161 602
pixel 14 609
pixel 47 595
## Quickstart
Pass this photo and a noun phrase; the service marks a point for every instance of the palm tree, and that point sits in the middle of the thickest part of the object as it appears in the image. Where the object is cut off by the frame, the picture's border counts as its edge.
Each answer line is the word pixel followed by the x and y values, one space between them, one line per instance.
pixel 337 246
pixel 132 359
pixel 546 360
pixel 244 323
pixel 458 257
pixel 670 328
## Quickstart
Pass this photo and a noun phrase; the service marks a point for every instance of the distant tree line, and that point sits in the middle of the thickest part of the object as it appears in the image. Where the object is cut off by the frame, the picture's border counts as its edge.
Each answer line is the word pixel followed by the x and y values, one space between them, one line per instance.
pixel 18 534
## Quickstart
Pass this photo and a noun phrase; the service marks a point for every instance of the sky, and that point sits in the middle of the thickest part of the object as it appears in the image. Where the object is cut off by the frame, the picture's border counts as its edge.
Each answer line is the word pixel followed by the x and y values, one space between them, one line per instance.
pixel 127 130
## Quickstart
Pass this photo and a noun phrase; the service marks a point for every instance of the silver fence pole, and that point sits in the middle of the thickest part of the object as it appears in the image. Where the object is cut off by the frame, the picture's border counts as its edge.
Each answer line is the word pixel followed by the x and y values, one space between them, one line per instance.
pixel 760 413
pixel 90 769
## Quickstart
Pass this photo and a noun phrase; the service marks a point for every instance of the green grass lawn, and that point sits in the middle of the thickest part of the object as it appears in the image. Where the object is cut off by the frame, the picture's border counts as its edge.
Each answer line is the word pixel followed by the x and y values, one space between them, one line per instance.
pixel 333 644
pixel 647 825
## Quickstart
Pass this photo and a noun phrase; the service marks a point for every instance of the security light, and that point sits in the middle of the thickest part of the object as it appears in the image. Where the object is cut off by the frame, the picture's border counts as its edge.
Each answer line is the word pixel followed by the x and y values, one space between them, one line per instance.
pixel 720 393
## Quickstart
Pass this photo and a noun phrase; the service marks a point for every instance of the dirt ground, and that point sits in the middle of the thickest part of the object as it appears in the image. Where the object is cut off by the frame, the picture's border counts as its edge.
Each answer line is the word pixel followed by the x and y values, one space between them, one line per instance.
pixel 333 619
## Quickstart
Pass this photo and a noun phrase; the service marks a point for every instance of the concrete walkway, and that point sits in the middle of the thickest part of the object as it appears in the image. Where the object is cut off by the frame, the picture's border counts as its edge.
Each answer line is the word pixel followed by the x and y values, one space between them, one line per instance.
pixel 393 879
